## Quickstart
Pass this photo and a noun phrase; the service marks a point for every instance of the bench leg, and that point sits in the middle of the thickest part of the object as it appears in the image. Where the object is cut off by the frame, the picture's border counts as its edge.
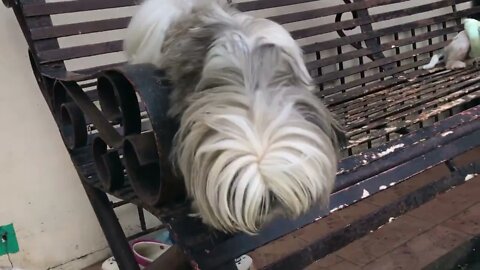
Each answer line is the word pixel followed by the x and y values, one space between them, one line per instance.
pixel 111 228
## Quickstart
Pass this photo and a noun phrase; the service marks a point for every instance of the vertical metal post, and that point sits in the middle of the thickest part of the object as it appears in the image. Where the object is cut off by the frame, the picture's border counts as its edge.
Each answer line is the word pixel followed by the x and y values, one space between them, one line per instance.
pixel 111 228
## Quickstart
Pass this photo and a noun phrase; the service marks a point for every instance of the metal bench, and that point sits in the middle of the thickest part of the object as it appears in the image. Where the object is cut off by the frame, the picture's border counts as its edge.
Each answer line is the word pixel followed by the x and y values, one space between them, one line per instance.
pixel 364 55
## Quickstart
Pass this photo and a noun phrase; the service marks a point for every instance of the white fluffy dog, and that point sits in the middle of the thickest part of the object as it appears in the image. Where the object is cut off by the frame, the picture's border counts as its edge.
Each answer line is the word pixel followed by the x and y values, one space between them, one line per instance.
pixel 254 141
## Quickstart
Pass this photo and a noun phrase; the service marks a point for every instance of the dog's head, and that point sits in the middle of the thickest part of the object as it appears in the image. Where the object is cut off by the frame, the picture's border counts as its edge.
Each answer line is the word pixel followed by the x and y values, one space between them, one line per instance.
pixel 254 140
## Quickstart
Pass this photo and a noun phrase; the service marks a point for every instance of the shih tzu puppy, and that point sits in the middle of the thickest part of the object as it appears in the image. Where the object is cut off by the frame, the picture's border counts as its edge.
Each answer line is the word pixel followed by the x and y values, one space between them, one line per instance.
pixel 463 49
pixel 254 141
pixel 453 55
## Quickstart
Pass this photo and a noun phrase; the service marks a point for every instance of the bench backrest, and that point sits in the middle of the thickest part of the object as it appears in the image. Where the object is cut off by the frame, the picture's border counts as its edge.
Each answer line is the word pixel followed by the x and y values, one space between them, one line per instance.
pixel 351 46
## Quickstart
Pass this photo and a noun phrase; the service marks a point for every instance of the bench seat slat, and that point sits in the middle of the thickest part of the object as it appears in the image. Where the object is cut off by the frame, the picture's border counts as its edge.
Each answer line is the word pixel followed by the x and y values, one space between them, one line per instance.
pixel 79 28
pixel 412 99
pixel 39 9
pixel 80 51
pixel 351 108
pixel 264 4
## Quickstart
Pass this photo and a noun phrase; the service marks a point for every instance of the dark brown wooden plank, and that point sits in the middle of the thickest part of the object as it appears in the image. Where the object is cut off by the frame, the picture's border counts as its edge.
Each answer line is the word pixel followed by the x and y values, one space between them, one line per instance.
pixel 80 51
pixel 427 77
pixel 409 98
pixel 77 75
pixel 430 109
pixel 79 28
pixel 264 4
pixel 74 6
pixel 339 96
pixel 379 99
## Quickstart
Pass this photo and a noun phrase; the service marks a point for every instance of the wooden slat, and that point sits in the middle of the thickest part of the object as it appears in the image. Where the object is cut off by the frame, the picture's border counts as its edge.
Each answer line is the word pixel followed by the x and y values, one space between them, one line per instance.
pixel 79 28
pixel 264 4
pixel 372 103
pixel 362 104
pixel 74 6
pixel 80 51
pixel 397 94
pixel 339 96
pixel 429 111
pixel 430 108
pixel 76 75
pixel 432 92
pixel 96 69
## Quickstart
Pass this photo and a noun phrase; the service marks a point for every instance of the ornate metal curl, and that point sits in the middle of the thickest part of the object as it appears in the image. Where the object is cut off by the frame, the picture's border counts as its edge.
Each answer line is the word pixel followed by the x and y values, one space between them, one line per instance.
pixel 145 152
pixel 108 165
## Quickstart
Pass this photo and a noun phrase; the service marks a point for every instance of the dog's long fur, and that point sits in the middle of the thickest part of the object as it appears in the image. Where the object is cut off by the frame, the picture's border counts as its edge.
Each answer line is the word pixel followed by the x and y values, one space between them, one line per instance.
pixel 254 141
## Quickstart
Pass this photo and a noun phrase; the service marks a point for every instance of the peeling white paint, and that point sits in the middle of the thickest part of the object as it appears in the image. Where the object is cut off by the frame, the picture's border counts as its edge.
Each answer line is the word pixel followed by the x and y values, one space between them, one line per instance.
pixel 365 194
pixel 470 177
pixel 391 219
pixel 382 187
pixel 392 184
pixel 338 208
pixel 391 150
pixel 446 133
pixel 390 129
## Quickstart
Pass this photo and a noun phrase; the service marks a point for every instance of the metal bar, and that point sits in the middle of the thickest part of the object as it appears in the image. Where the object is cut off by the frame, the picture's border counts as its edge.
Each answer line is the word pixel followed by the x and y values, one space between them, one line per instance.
pixel 141 218
pixel 111 228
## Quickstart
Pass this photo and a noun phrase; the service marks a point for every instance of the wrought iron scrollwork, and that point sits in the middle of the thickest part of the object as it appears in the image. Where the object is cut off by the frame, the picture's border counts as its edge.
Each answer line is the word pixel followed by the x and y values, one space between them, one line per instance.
pixel 121 149
pixel 108 165
pixel 341 32
pixel 372 43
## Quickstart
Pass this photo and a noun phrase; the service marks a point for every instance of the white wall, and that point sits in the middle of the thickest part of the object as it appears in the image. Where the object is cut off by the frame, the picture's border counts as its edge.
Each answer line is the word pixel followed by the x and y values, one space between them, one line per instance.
pixel 39 189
